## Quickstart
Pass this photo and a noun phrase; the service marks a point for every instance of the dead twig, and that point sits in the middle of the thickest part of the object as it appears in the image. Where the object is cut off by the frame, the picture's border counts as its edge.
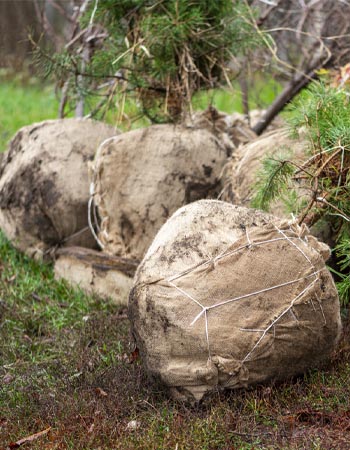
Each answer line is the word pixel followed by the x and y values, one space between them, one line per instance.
pixel 27 439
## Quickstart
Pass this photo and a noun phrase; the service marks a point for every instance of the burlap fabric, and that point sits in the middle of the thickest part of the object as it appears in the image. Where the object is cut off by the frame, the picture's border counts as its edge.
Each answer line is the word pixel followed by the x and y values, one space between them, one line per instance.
pixel 228 297
pixel 96 273
pixel 240 174
pixel 44 187
pixel 141 177
pixel 233 128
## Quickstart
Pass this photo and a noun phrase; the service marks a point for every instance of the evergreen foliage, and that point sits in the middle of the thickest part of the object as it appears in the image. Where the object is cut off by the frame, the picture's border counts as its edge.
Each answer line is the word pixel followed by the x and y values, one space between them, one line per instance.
pixel 162 50
pixel 273 181
pixel 324 113
pixel 343 253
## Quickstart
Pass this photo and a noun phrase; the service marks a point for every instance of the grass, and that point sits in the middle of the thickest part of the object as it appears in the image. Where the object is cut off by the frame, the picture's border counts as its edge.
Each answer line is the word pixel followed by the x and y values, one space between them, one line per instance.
pixel 230 100
pixel 24 101
pixel 22 104
pixel 65 363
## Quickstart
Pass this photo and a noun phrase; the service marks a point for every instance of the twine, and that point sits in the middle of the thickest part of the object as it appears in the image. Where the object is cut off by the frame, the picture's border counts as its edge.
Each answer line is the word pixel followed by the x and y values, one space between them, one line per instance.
pixel 90 207
pixel 212 262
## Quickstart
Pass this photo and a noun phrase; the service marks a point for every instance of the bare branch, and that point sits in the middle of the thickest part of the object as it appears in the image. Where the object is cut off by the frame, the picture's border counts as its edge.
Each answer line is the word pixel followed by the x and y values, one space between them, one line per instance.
pixel 285 97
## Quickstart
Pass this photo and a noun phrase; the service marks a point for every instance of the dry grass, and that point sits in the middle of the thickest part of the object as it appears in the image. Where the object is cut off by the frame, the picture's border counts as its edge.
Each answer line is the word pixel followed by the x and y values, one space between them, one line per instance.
pixel 65 363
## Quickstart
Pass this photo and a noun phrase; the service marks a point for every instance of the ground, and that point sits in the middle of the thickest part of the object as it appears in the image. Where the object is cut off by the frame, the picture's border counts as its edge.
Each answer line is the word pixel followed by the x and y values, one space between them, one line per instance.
pixel 66 363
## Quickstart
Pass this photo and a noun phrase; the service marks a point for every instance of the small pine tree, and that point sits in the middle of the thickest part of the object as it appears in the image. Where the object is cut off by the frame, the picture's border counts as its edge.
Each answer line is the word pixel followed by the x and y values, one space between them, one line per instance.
pixel 324 112
pixel 164 51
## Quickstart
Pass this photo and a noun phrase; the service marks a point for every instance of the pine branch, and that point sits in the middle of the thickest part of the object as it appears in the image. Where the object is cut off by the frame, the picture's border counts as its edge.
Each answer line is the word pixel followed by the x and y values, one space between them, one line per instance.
pixel 272 181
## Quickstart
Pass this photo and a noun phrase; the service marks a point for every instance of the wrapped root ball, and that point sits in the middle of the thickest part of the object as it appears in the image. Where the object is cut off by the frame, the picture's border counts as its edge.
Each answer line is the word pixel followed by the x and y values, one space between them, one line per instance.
pixel 143 176
pixel 44 187
pixel 242 170
pixel 228 297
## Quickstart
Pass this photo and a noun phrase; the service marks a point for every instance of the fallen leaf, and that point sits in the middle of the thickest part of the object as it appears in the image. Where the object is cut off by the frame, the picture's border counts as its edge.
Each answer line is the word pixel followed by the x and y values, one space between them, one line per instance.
pixel 91 428
pixel 8 378
pixel 101 392
pixel 179 419
pixel 35 296
pixel 134 355
pixel 27 338
pixel 30 438
pixel 133 425
pixel 313 417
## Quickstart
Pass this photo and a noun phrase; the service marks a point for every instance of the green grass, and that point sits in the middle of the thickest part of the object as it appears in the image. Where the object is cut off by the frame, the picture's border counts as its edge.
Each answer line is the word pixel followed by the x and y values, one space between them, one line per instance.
pixel 230 100
pixel 24 104
pixel 64 364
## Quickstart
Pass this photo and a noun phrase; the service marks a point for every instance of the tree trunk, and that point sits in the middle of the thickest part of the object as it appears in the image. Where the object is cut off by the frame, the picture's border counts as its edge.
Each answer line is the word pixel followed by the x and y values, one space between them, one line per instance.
pixel 17 19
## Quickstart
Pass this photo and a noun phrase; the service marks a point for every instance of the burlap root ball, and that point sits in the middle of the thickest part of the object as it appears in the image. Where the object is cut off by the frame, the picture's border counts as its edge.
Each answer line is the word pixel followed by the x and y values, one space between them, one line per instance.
pixel 141 177
pixel 44 187
pixel 240 174
pixel 228 297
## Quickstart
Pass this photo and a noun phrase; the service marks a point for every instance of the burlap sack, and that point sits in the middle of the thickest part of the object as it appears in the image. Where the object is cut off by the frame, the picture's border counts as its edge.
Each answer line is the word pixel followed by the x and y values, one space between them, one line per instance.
pixel 141 177
pixel 233 128
pixel 96 273
pixel 236 125
pixel 228 297
pixel 44 188
pixel 240 174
